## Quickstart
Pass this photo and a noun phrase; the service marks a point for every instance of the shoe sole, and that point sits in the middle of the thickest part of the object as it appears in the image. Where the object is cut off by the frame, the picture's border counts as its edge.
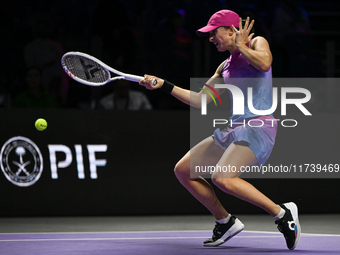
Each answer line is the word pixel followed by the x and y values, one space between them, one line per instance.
pixel 294 211
pixel 233 231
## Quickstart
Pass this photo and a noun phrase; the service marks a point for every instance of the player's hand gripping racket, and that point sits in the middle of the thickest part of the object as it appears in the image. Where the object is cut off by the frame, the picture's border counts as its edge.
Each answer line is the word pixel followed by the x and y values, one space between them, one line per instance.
pixel 91 71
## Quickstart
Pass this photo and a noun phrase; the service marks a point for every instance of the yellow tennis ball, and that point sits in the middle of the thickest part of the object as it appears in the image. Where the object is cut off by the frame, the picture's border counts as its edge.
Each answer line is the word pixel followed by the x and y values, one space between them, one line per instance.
pixel 41 124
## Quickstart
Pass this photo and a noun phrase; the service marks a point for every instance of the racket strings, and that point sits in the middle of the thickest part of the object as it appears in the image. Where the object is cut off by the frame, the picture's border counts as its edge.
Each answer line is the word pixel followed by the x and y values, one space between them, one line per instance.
pixel 86 69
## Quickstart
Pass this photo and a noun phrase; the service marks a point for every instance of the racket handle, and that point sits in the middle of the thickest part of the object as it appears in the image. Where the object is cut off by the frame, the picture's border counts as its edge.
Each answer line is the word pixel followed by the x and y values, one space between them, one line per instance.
pixel 136 78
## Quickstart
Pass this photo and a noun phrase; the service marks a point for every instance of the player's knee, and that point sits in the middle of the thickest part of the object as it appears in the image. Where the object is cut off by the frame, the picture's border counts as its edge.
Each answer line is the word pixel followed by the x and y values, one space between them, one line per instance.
pixel 181 171
pixel 224 183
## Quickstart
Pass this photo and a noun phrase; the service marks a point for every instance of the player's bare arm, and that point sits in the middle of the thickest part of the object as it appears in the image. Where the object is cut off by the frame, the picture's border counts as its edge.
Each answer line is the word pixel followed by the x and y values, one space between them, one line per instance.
pixel 186 96
pixel 258 54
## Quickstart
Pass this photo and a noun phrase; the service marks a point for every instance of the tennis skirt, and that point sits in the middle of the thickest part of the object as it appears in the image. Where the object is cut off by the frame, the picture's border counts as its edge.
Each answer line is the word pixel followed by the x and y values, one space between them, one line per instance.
pixel 258 132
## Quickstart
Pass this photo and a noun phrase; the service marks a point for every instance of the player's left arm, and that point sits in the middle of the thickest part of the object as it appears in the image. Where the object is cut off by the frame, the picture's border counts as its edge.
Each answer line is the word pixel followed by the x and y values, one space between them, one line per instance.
pixel 258 53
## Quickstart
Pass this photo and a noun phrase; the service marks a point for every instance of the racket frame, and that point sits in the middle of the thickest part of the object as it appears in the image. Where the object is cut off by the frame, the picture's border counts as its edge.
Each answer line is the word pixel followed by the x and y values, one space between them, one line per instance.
pixel 108 69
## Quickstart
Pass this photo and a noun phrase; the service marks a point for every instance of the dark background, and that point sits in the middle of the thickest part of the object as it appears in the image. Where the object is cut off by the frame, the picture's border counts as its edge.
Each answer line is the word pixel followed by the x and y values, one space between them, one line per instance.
pixel 154 37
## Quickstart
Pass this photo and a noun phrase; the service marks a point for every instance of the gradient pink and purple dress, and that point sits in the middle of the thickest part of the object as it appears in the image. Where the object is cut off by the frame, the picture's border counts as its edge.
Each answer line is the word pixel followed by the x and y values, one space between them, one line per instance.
pixel 261 132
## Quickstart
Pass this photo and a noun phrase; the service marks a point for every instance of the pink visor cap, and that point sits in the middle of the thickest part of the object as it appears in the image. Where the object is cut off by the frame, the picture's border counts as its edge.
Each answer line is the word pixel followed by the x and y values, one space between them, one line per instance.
pixel 223 18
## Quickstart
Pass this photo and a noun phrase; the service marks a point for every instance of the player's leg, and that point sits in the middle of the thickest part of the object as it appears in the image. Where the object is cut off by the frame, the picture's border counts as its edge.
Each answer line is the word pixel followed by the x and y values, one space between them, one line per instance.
pixel 286 215
pixel 206 153
pixel 233 158
pixel 238 156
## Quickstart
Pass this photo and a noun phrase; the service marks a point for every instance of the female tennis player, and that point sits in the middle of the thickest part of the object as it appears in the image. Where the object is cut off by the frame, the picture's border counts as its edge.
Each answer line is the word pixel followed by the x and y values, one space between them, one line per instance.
pixel 235 146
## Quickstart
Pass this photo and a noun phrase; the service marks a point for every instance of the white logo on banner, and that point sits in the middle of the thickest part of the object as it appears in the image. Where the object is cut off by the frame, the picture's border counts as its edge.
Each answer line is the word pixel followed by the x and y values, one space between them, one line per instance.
pixel 21 161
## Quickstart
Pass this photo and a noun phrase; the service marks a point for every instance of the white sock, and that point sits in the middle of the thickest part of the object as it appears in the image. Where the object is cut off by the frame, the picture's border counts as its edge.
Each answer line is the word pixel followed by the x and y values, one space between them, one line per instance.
pixel 225 220
pixel 280 215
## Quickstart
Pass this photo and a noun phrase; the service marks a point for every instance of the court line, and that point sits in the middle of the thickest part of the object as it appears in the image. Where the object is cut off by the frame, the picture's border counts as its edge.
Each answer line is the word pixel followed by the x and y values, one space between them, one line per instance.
pixel 121 238
pixel 155 231
pixel 269 235
pixel 303 234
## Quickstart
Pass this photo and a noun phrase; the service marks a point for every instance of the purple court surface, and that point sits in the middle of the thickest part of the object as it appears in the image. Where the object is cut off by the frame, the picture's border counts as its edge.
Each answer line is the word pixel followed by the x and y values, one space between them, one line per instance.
pixel 169 242
pixel 77 241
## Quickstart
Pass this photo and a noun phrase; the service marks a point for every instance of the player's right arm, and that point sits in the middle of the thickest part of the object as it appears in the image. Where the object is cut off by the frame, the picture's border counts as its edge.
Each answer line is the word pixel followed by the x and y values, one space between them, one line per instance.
pixel 188 97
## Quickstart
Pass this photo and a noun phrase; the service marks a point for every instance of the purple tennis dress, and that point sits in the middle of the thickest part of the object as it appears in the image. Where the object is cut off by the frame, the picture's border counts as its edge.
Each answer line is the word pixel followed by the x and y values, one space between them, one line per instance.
pixel 258 131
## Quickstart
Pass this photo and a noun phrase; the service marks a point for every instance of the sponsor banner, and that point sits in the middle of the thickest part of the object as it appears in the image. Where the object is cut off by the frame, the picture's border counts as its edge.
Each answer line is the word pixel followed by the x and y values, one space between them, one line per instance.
pixel 98 163
pixel 88 162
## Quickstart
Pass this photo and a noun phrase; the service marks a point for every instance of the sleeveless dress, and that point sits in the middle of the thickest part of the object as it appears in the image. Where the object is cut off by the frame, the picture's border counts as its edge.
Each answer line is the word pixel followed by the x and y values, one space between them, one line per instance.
pixel 258 132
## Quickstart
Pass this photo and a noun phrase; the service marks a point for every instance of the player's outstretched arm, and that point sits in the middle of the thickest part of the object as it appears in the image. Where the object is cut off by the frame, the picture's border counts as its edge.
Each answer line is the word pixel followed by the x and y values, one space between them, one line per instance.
pixel 188 97
pixel 184 95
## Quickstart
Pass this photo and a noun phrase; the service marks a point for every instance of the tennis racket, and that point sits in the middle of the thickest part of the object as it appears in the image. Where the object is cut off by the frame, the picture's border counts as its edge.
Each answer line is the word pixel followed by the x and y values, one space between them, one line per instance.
pixel 91 71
